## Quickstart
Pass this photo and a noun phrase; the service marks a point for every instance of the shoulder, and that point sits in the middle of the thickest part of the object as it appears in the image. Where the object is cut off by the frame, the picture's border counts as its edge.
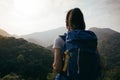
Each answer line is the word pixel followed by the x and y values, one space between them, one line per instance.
pixel 58 42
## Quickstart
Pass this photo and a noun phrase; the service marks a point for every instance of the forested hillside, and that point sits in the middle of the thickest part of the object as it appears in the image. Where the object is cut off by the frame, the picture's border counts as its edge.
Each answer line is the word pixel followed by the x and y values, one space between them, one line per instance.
pixel 109 48
pixel 26 60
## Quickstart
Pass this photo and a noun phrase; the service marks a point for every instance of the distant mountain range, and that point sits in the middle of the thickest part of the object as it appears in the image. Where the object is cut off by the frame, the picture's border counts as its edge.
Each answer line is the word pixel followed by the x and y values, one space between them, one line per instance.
pixel 44 38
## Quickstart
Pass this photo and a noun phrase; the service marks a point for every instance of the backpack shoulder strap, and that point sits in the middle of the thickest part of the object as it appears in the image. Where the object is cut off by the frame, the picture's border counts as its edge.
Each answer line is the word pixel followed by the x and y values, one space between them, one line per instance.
pixel 65 54
pixel 63 37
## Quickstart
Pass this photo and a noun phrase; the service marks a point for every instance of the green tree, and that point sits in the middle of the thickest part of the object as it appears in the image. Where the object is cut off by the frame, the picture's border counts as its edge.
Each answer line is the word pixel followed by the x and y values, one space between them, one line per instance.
pixel 20 58
pixel 11 76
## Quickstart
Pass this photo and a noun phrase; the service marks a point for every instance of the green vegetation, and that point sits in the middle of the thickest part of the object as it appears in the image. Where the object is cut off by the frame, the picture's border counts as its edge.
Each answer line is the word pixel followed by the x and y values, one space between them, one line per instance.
pixel 11 76
pixel 109 48
pixel 27 60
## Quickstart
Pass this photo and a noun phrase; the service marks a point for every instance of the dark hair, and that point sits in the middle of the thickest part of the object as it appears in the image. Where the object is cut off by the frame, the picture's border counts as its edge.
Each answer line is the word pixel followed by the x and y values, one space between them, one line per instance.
pixel 67 17
pixel 77 19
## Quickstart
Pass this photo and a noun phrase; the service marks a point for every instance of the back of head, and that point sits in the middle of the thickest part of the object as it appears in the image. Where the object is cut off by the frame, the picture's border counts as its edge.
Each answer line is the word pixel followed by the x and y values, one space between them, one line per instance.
pixel 77 19
pixel 67 17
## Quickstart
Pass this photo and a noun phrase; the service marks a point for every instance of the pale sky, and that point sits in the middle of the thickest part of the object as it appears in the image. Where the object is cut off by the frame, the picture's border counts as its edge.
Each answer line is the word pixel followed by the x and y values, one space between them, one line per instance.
pixel 22 17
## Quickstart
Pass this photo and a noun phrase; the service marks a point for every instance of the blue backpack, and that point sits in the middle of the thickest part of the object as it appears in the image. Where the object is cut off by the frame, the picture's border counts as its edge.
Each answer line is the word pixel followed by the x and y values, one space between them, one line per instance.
pixel 81 59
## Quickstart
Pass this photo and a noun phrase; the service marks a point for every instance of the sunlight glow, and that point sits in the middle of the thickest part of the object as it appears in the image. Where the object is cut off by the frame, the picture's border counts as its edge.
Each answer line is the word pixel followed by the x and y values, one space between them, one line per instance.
pixel 29 7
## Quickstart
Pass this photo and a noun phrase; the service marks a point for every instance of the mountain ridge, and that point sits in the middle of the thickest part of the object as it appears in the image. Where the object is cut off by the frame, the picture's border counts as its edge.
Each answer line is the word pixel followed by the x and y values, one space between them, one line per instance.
pixel 45 38
pixel 41 39
pixel 4 33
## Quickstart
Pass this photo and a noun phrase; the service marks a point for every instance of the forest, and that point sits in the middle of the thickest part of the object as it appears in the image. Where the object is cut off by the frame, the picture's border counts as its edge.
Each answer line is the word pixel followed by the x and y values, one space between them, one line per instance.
pixel 23 60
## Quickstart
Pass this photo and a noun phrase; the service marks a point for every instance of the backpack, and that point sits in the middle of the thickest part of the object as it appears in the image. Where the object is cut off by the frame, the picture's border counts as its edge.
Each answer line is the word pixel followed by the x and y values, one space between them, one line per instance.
pixel 81 59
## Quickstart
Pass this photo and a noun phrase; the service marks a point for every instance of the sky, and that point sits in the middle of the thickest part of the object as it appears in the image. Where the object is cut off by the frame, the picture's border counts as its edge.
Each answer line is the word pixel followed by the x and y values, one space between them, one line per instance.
pixel 22 17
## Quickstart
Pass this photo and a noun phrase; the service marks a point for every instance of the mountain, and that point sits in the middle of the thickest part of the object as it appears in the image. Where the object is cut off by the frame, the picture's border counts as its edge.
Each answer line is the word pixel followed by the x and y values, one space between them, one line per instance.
pixel 103 32
pixel 44 38
pixel 108 44
pixel 4 33
pixel 109 49
pixel 29 61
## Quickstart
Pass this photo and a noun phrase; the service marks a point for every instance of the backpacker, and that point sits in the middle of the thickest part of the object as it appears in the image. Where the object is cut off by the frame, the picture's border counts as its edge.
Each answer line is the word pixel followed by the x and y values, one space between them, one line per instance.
pixel 81 61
